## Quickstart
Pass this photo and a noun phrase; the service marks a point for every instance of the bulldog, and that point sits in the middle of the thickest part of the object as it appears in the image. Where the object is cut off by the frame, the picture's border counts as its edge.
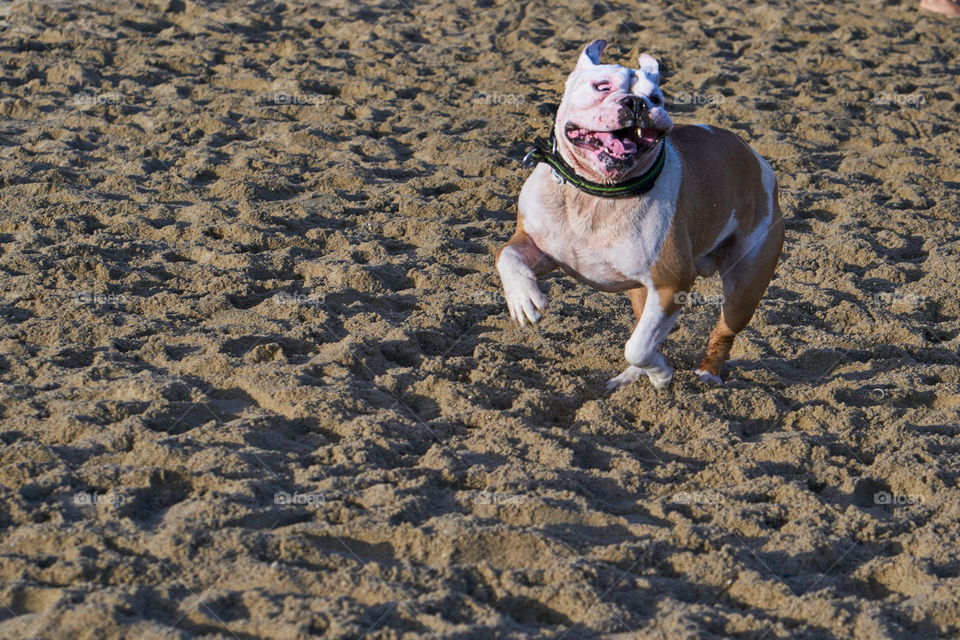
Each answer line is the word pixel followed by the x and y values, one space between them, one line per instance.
pixel 625 201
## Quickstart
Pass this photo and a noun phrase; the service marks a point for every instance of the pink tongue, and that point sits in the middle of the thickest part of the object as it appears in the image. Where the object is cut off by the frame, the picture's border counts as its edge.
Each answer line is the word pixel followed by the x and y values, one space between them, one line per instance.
pixel 615 144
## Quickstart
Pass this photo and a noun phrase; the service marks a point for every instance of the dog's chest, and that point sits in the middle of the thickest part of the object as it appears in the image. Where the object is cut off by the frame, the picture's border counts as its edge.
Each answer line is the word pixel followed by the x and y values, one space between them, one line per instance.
pixel 608 243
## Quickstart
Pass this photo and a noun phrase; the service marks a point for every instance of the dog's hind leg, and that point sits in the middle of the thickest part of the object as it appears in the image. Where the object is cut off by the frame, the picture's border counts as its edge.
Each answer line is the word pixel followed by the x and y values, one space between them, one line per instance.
pixel 745 274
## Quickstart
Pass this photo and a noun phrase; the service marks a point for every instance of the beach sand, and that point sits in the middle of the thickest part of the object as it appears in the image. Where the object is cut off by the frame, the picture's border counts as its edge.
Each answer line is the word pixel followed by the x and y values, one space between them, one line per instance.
pixel 257 379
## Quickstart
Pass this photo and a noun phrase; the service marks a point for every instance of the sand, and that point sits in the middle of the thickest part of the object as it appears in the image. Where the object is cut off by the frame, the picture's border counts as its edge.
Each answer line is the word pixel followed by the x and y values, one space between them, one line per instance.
pixel 257 379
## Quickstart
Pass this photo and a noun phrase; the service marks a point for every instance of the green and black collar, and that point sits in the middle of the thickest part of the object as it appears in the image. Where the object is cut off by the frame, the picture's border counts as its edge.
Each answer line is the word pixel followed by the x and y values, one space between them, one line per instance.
pixel 547 152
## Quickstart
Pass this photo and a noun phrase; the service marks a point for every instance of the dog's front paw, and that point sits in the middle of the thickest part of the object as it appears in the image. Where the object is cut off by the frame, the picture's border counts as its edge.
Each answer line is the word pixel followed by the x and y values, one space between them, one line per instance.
pixel 629 374
pixel 525 301
pixel 660 378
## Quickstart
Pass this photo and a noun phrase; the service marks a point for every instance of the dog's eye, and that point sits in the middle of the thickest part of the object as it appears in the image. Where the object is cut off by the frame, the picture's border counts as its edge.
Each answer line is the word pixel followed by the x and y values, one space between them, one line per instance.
pixel 656 99
pixel 602 87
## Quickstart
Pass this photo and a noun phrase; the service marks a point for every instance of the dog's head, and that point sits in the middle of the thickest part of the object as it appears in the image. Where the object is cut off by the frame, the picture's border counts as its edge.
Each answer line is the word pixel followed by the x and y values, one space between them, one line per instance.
pixel 611 118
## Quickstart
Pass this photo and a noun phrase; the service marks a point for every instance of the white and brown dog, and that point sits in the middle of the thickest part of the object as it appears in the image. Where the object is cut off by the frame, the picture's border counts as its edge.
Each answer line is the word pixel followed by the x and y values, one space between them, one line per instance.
pixel 627 202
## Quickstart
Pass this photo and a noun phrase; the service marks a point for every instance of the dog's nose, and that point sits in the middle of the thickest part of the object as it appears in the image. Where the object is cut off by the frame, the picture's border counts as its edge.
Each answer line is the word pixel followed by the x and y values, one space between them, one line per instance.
pixel 635 104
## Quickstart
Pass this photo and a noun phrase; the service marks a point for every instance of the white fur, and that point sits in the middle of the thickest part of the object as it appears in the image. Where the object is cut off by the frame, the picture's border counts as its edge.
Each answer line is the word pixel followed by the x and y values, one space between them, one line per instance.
pixel 707 377
pixel 644 85
pixel 655 212
pixel 524 299
pixel 754 240
pixel 629 374
pixel 572 243
pixel 583 105
pixel 769 179
pixel 649 66
pixel 591 53
pixel 642 349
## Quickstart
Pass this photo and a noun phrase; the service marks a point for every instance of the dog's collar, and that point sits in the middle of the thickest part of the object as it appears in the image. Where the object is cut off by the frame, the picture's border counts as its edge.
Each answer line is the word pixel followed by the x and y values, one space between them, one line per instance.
pixel 562 172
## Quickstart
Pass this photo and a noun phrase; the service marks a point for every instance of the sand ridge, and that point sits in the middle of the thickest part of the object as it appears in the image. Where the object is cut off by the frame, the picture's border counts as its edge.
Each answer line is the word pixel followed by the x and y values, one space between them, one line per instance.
pixel 257 379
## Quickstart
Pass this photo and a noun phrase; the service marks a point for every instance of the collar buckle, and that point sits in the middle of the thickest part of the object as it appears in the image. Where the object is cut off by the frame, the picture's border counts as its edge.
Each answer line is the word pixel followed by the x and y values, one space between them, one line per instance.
pixel 529 161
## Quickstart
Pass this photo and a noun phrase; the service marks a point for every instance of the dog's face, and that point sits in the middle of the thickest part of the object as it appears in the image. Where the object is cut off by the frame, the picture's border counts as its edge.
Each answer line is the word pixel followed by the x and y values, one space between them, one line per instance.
pixel 611 118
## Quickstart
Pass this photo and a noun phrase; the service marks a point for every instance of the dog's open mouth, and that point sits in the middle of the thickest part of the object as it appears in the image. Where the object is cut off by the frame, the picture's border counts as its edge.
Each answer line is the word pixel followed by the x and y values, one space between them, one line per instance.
pixel 619 144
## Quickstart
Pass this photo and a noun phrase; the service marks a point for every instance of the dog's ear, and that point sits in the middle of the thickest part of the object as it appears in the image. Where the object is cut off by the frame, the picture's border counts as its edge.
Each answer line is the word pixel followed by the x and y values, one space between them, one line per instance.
pixel 591 54
pixel 650 66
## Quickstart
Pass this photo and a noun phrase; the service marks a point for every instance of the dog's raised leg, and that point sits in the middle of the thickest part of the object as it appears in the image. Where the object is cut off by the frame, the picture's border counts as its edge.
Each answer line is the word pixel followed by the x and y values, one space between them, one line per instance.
pixel 657 314
pixel 519 262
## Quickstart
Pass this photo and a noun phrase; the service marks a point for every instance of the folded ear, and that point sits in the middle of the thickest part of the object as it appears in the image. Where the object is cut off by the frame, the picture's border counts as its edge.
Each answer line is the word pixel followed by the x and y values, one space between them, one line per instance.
pixel 591 54
pixel 650 66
